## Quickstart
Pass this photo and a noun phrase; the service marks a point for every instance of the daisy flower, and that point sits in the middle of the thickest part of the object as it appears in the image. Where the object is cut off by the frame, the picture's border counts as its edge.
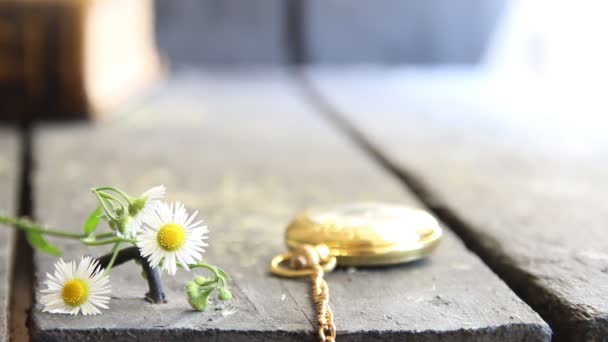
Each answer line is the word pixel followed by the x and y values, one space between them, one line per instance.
pixel 170 236
pixel 73 288
pixel 142 206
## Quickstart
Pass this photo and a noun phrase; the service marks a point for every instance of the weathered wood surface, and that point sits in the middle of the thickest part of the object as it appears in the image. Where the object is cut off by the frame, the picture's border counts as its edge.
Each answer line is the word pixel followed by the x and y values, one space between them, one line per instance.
pixel 528 197
pixel 9 165
pixel 249 152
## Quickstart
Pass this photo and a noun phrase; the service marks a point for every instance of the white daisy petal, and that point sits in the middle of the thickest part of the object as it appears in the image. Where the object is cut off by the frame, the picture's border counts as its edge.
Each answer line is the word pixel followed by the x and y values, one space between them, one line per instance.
pixel 75 288
pixel 169 237
pixel 155 193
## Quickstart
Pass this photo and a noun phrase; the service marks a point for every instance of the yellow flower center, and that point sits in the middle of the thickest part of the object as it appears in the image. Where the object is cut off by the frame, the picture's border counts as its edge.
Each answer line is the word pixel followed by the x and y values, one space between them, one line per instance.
pixel 75 292
pixel 171 237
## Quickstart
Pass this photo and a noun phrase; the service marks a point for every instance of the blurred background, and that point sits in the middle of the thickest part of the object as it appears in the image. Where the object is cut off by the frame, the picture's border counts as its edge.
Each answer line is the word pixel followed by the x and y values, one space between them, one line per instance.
pixel 525 59
pixel 332 32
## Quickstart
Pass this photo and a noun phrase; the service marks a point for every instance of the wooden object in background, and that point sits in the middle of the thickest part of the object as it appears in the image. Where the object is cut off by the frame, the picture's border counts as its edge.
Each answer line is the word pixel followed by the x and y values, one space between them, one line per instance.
pixel 534 208
pixel 250 153
pixel 9 164
pixel 73 58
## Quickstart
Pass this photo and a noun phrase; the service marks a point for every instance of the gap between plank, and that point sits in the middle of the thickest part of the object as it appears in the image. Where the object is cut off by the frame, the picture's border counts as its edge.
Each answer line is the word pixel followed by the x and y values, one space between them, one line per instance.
pixel 22 272
pixel 296 49
pixel 504 269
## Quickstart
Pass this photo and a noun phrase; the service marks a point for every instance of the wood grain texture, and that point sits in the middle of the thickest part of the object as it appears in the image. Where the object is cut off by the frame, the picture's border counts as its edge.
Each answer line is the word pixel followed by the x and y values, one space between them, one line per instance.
pixel 249 152
pixel 9 165
pixel 398 31
pixel 529 198
pixel 221 32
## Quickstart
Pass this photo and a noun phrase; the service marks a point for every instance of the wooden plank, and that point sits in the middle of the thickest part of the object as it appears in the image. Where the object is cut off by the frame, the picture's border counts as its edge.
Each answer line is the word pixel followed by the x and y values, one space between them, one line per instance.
pixel 226 32
pixel 398 31
pixel 527 197
pixel 9 164
pixel 249 153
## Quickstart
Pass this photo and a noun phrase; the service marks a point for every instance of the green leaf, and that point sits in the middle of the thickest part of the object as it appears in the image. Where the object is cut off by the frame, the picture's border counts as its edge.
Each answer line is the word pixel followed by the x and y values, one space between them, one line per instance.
pixel 37 241
pixel 92 221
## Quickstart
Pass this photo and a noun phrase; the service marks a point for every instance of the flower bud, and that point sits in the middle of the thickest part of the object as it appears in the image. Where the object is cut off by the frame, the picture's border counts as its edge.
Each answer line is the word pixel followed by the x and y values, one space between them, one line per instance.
pixel 198 295
pixel 123 224
pixel 137 205
pixel 224 294
pixel 200 280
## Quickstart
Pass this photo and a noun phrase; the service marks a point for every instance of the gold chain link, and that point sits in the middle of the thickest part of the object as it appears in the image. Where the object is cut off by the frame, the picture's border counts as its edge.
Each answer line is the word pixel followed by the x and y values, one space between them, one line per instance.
pixel 313 261
pixel 320 295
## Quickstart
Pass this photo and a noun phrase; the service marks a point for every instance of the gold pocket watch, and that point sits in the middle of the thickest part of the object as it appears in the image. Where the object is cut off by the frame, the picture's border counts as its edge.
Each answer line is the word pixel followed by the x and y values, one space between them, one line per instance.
pixel 360 234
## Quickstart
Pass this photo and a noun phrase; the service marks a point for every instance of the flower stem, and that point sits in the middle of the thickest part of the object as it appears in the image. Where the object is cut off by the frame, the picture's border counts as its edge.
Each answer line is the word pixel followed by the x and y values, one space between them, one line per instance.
pixel 113 199
pixel 103 203
pixel 112 259
pixel 104 235
pixel 107 242
pixel 27 225
pixel 109 188
pixel 219 274
pixel 124 255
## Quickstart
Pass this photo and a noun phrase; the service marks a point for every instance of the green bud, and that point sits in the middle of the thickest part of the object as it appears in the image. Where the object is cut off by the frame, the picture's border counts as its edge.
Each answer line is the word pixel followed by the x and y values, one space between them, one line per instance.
pixel 201 281
pixel 122 224
pixel 137 205
pixel 224 294
pixel 196 301
pixel 198 296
